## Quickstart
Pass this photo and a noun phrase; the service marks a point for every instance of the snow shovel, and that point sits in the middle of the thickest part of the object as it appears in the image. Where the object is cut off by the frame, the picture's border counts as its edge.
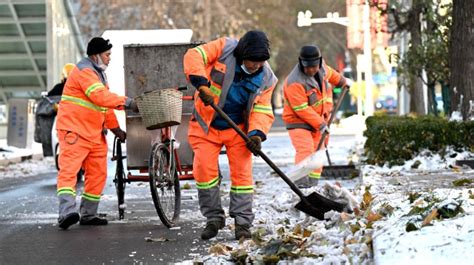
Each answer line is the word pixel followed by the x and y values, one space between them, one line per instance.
pixel 314 204
pixel 335 171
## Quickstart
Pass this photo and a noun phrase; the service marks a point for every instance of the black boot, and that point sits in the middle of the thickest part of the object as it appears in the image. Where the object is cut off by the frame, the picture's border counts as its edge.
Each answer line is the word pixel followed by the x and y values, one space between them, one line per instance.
pixel 212 227
pixel 242 231
pixel 94 221
pixel 68 220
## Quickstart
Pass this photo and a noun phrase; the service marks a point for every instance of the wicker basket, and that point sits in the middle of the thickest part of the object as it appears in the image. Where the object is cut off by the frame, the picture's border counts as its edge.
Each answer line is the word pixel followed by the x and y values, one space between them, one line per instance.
pixel 160 108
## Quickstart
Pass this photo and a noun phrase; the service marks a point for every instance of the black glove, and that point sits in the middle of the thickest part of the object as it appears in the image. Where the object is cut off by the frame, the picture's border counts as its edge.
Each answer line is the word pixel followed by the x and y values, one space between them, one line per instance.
pixel 255 144
pixel 131 105
pixel 119 133
pixel 206 97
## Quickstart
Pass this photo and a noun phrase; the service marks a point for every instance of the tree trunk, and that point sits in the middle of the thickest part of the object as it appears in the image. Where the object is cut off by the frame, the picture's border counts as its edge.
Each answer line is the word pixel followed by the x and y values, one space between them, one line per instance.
pixel 461 57
pixel 417 103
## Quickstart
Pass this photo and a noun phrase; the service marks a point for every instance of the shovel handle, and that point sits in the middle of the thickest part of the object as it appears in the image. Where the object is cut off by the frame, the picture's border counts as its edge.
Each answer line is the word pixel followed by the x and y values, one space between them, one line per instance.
pixel 260 153
pixel 333 114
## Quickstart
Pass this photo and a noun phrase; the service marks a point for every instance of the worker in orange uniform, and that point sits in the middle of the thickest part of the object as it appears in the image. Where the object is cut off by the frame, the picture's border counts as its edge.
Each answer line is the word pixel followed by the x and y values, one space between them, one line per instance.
pixel 307 94
pixel 85 113
pixel 235 76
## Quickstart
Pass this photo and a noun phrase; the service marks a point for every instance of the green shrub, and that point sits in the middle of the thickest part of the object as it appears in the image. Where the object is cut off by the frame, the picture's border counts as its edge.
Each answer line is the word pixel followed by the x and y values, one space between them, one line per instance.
pixel 395 139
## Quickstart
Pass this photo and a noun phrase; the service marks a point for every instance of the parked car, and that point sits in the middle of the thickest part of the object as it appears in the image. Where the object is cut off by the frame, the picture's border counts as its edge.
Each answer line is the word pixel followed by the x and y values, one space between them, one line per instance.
pixel 387 104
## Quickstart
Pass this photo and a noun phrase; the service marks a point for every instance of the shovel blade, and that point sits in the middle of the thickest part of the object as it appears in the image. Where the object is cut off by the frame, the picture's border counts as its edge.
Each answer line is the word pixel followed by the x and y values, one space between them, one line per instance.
pixel 340 172
pixel 316 205
pixel 310 210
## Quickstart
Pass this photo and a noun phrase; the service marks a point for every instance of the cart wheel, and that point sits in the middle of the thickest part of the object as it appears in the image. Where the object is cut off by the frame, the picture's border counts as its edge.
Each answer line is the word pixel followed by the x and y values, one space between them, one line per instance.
pixel 164 184
pixel 119 179
pixel 56 156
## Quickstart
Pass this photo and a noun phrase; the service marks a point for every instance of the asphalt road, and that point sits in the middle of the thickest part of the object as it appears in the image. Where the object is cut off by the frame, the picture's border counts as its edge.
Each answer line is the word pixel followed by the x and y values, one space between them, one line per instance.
pixel 29 233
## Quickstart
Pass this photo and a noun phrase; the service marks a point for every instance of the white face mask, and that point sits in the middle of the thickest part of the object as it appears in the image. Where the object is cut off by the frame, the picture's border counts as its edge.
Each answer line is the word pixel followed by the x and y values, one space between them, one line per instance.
pixel 101 63
pixel 245 69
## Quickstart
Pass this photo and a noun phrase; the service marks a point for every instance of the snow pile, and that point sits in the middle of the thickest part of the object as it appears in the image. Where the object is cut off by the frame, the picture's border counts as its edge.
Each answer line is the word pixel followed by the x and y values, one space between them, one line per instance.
pixel 27 168
pixel 377 230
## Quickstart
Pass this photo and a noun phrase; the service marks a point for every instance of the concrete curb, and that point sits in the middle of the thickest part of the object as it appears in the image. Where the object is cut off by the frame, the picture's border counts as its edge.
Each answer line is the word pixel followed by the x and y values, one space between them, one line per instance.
pixel 12 155
pixel 5 161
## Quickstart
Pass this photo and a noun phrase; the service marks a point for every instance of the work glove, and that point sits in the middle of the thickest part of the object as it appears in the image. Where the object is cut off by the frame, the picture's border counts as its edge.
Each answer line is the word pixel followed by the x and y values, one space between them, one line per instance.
pixel 119 133
pixel 348 83
pixel 205 95
pixel 324 128
pixel 131 105
pixel 254 144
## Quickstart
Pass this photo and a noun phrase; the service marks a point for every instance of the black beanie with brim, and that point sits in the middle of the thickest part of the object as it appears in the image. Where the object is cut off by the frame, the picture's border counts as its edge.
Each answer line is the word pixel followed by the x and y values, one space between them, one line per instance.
pixel 98 45
pixel 253 46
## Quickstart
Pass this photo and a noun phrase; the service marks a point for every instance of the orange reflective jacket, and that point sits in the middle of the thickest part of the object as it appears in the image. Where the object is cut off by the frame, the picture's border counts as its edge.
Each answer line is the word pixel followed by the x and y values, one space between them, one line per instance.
pixel 87 105
pixel 306 105
pixel 215 62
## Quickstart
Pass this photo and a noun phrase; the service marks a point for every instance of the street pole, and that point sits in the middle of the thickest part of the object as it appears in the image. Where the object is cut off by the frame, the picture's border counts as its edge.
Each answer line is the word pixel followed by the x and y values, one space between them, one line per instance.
pixel 369 102
pixel 360 65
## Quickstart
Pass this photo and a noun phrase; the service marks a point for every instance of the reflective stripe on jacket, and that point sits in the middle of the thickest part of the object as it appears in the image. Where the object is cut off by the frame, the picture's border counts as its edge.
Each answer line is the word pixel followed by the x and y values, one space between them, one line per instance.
pixel 306 105
pixel 215 62
pixel 87 105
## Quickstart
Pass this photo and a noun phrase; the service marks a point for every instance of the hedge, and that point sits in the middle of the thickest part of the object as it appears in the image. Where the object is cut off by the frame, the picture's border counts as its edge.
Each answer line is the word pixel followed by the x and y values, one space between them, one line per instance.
pixel 395 139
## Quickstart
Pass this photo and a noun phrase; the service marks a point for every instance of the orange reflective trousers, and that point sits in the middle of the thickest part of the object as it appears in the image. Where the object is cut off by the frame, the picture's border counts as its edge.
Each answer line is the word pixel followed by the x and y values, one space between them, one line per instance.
pixel 206 149
pixel 76 153
pixel 305 143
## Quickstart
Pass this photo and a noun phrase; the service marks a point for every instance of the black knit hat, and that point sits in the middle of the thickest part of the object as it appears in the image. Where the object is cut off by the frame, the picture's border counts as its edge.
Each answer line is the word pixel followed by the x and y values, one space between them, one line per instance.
pixel 253 46
pixel 310 55
pixel 98 45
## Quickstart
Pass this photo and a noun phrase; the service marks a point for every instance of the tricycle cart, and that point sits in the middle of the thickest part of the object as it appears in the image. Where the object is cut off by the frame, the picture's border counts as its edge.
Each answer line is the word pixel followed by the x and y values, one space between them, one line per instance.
pixel 163 154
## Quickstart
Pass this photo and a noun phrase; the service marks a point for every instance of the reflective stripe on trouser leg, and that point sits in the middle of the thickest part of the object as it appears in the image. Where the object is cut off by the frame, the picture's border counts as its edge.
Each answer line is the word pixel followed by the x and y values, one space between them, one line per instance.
pixel 206 150
pixel 95 167
pixel 316 174
pixel 240 165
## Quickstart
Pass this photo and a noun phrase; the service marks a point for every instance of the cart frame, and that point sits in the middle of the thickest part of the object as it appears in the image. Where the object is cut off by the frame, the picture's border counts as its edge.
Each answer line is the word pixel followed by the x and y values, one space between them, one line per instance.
pixel 164 154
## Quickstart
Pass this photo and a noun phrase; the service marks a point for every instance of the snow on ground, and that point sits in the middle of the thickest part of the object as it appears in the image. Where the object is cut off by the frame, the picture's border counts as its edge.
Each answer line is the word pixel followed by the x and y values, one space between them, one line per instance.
pixel 10 156
pixel 286 233
pixel 374 234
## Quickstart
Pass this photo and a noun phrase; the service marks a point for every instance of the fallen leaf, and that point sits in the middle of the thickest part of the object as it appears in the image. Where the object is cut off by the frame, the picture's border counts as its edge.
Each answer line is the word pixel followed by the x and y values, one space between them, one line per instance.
pixel 280 231
pixel 158 239
pixel 357 211
pixel 346 251
pixel 346 217
pixel 297 229
pixel 239 256
pixel 307 233
pixel 372 217
pixel 367 199
pixel 219 249
pixel 430 217
pixel 351 241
